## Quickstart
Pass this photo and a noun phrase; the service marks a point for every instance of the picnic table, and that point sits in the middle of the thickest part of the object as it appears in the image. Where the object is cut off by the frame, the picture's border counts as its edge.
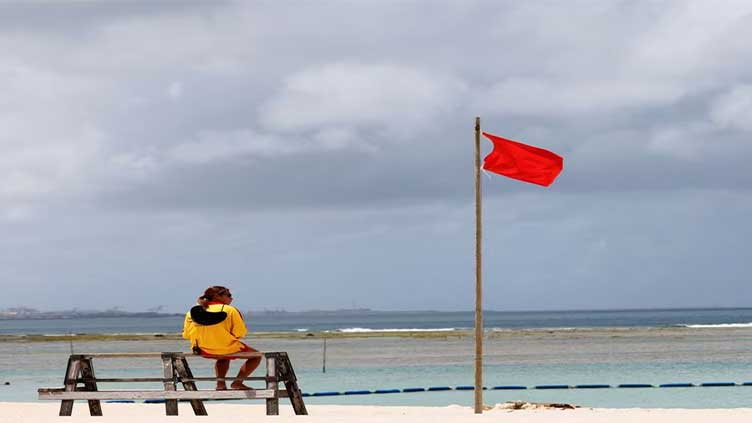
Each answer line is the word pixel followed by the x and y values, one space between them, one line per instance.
pixel 80 383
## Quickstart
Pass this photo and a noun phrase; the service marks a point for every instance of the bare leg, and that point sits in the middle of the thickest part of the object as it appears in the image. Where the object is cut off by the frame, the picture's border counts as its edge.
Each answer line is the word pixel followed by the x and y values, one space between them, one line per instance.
pixel 220 369
pixel 245 370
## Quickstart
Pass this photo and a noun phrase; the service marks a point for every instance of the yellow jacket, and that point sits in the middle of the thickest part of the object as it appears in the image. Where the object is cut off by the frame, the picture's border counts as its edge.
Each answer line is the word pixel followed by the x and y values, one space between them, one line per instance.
pixel 222 338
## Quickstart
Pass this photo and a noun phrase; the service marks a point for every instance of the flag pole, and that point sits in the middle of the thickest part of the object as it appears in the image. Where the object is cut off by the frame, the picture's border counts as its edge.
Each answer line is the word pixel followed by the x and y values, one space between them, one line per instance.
pixel 478 280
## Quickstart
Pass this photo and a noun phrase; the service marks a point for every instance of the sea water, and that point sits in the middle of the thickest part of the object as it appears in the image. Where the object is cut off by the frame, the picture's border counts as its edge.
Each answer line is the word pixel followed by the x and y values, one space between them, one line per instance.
pixel 373 320
pixel 668 352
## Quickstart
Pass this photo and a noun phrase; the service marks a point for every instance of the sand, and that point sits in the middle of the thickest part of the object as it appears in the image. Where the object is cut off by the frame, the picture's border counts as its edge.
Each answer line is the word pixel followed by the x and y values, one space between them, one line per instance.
pixel 152 413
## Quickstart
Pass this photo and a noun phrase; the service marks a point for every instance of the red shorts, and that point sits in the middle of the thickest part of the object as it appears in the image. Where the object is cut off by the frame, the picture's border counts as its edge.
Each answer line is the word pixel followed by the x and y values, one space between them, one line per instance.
pixel 243 348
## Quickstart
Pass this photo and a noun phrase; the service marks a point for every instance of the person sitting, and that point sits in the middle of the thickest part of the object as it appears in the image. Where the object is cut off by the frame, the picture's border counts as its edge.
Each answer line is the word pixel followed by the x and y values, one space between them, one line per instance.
pixel 215 328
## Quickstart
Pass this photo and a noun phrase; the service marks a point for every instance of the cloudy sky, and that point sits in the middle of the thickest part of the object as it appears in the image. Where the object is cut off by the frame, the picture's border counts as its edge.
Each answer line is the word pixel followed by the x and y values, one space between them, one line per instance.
pixel 319 154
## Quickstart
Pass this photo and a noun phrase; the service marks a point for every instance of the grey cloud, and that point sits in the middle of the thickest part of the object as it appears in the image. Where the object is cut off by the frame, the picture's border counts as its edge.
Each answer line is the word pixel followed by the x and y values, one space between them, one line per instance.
pixel 77 17
pixel 567 251
pixel 332 142
pixel 734 108
pixel 360 95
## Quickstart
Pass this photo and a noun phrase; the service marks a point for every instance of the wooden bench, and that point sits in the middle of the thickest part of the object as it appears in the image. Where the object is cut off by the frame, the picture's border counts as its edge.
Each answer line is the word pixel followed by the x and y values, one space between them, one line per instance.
pixel 81 384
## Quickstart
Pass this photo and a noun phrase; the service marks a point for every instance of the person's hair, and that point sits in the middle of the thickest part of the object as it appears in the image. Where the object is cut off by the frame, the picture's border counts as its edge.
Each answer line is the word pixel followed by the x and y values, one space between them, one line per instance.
pixel 211 294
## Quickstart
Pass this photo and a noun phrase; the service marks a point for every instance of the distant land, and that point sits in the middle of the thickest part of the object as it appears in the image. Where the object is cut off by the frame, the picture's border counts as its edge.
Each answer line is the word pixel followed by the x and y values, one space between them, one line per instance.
pixel 337 312
pixel 26 313
pixel 32 314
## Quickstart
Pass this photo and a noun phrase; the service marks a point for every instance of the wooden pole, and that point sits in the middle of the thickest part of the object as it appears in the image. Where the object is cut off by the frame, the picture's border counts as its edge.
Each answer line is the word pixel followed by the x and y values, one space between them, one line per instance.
pixel 323 368
pixel 478 280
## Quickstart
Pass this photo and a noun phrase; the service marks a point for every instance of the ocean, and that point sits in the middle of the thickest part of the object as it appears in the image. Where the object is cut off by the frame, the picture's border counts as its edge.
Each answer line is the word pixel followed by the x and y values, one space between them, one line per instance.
pixel 363 321
pixel 520 348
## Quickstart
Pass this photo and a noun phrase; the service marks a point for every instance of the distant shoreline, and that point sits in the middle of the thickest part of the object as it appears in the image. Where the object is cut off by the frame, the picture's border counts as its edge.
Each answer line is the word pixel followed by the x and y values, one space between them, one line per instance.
pixel 92 315
pixel 490 333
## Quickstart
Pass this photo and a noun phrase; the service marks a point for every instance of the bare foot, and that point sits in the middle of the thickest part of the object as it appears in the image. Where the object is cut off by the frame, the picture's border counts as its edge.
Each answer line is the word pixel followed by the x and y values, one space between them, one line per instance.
pixel 221 387
pixel 240 386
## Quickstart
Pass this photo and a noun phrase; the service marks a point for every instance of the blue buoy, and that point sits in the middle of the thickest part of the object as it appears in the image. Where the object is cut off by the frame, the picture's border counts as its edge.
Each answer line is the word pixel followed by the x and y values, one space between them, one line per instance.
pixel 497 387
pixel 676 385
pixel 552 387
pixel 386 391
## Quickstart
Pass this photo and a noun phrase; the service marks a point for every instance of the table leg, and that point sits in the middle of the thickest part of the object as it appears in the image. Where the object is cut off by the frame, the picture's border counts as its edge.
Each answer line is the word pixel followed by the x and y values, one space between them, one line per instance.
pixel 71 374
pixel 272 404
pixel 171 406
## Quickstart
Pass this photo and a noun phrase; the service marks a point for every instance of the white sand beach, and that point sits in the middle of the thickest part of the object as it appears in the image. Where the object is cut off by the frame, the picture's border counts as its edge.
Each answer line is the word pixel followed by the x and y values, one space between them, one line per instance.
pixel 152 413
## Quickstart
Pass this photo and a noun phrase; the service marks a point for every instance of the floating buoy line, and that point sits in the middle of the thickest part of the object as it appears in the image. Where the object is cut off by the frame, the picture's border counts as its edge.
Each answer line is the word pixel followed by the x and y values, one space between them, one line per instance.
pixel 502 388
pixel 522 387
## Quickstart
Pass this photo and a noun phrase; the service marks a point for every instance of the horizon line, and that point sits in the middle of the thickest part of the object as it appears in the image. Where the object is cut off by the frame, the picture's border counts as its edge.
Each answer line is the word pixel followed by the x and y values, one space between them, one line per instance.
pixel 366 309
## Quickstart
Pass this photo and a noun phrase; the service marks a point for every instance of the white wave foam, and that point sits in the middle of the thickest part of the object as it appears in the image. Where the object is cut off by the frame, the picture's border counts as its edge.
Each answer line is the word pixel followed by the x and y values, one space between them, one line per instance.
pixel 721 325
pixel 357 330
pixel 538 329
pixel 301 330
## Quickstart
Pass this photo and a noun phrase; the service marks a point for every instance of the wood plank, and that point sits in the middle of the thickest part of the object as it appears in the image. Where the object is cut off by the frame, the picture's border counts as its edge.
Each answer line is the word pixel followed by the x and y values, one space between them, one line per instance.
pixel 40 390
pixel 157 394
pixel 162 380
pixel 282 393
pixel 87 373
pixel 235 355
pixel 214 379
pixel 171 406
pixel 176 354
pixel 272 404
pixel 184 373
pixel 128 354
pixel 71 373
pixel 287 374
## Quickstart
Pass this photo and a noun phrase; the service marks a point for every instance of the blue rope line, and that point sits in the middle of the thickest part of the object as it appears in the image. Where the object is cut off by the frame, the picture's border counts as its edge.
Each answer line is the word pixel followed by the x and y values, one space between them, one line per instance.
pixel 500 388
pixel 539 387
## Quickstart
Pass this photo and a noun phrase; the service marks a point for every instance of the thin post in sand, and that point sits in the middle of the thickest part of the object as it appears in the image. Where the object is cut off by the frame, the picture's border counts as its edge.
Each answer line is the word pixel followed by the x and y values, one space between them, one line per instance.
pixel 478 280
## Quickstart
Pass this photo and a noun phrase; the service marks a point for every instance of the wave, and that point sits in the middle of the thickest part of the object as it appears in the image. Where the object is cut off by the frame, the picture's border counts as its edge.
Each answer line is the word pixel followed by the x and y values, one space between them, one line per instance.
pixel 563 329
pixel 721 325
pixel 359 330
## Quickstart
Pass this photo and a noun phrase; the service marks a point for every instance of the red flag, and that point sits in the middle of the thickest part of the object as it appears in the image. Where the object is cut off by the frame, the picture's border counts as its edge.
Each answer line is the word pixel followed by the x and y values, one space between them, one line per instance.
pixel 523 162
